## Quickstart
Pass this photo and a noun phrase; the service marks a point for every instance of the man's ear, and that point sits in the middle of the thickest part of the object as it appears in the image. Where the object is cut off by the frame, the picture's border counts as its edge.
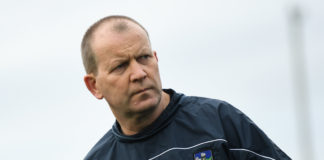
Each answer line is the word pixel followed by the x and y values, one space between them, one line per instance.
pixel 90 81
pixel 155 55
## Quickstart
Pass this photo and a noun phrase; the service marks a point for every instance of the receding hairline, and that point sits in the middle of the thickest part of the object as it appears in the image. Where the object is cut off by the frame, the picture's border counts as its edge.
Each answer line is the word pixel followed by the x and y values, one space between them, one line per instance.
pixel 119 24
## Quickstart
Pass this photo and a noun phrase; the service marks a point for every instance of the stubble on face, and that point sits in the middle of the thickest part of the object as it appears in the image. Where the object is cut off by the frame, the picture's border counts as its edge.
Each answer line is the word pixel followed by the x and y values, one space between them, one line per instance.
pixel 152 101
pixel 118 90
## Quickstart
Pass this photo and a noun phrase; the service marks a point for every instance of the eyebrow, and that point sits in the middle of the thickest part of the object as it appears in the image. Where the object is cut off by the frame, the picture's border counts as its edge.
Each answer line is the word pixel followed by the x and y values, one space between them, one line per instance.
pixel 117 61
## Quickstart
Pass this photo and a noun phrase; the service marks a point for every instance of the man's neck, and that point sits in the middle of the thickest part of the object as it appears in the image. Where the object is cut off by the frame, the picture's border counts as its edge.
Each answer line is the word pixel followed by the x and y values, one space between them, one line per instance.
pixel 135 125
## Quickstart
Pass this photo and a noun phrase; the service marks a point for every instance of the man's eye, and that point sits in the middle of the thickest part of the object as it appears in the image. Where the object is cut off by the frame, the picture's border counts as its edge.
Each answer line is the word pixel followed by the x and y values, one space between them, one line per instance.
pixel 143 59
pixel 120 67
pixel 145 56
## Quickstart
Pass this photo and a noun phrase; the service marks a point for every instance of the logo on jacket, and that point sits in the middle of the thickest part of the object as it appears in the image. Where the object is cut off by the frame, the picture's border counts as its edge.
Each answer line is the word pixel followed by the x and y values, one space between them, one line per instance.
pixel 204 155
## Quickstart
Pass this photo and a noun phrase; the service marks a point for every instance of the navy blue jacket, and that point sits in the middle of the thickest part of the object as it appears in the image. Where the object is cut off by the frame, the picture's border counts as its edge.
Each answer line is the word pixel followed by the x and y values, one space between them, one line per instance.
pixel 190 128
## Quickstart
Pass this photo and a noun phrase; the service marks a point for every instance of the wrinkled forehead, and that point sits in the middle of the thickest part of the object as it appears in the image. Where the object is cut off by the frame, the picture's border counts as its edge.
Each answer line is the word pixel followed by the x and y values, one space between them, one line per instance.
pixel 109 42
pixel 117 32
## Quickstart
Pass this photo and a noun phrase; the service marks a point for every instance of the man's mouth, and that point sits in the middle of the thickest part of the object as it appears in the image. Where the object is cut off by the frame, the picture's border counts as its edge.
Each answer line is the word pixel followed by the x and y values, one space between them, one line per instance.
pixel 142 90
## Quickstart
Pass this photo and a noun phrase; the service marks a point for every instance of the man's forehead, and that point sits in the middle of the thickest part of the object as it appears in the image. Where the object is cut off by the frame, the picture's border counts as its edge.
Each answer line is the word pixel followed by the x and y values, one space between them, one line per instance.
pixel 107 40
pixel 115 30
pixel 112 40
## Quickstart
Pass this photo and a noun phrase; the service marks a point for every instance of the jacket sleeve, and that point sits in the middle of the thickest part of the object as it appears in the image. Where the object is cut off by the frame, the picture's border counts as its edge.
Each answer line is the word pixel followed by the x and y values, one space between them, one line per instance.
pixel 246 140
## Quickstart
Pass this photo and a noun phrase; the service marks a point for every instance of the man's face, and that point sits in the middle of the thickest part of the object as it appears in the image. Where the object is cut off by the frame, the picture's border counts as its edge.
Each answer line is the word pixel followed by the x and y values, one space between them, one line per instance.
pixel 128 75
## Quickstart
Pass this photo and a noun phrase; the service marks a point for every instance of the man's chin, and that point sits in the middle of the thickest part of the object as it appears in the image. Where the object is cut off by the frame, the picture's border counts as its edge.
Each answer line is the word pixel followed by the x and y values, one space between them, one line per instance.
pixel 146 101
pixel 146 104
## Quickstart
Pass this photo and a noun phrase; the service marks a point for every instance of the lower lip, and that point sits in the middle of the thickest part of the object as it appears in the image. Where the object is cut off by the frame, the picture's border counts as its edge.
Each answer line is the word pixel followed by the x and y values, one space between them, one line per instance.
pixel 143 91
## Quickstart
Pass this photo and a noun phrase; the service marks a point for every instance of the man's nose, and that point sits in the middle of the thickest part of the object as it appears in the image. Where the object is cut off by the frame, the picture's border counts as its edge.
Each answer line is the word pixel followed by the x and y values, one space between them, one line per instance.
pixel 137 72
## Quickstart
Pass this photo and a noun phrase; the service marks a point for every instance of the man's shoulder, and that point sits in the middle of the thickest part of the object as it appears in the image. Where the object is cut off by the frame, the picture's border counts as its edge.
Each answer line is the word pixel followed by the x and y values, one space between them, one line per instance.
pixel 100 145
pixel 198 100
pixel 219 110
pixel 178 98
pixel 196 103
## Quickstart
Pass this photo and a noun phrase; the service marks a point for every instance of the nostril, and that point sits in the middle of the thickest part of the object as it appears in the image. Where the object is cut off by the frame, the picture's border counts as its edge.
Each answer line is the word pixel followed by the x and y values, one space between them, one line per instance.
pixel 138 76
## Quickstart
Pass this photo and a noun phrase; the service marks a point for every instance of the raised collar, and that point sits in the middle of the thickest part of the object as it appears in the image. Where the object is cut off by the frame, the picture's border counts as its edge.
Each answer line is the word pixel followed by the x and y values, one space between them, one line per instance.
pixel 162 121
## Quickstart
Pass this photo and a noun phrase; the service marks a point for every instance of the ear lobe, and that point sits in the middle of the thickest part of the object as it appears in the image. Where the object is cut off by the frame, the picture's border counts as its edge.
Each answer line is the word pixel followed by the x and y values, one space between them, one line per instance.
pixel 155 55
pixel 90 82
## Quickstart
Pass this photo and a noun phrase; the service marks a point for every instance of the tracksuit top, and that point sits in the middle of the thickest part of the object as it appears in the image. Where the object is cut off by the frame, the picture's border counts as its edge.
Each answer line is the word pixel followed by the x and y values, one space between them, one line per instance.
pixel 190 128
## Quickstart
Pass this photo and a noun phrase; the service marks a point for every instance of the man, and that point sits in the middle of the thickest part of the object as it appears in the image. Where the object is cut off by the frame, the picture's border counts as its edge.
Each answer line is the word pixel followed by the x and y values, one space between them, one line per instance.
pixel 156 124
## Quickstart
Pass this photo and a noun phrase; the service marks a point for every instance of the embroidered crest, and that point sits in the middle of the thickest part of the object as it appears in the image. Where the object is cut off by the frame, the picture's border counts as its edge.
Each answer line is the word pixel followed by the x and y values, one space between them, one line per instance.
pixel 204 155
